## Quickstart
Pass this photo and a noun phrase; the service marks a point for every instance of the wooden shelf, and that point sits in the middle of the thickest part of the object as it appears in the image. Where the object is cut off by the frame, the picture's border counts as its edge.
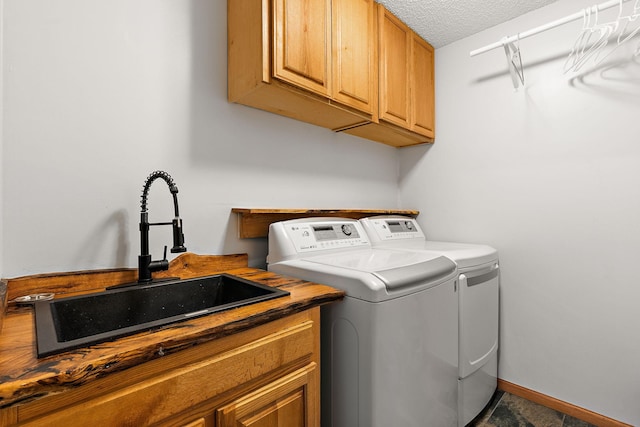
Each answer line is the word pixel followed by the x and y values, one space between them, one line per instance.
pixel 255 222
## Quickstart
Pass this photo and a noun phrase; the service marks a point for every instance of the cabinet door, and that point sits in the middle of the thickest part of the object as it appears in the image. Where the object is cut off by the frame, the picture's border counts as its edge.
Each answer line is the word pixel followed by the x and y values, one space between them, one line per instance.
pixel 354 54
pixel 292 401
pixel 422 87
pixel 302 43
pixel 395 38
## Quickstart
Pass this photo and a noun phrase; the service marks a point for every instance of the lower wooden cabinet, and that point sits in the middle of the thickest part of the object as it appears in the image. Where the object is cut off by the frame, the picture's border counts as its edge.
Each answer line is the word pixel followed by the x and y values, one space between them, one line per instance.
pixel 287 402
pixel 265 376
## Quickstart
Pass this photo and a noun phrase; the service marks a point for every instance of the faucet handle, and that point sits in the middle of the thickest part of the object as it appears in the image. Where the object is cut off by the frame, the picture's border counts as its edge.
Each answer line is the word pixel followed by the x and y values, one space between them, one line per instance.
pixel 146 266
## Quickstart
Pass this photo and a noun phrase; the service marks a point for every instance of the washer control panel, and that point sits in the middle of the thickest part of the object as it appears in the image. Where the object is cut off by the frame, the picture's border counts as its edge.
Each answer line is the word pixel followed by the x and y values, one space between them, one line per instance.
pixel 392 228
pixel 298 238
pixel 327 235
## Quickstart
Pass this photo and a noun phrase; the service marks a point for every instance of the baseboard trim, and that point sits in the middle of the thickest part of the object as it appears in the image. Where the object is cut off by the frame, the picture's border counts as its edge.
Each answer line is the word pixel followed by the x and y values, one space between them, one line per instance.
pixel 559 405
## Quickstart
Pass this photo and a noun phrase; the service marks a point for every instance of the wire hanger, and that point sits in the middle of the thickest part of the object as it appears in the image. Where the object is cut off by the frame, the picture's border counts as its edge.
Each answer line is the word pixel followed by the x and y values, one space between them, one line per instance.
pixel 628 20
pixel 615 26
pixel 636 14
pixel 577 51
pixel 588 46
pixel 514 61
pixel 620 25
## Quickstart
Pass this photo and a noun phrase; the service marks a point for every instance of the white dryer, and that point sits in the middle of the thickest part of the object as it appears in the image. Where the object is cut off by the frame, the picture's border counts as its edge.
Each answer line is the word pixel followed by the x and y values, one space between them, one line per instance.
pixel 389 350
pixel 478 270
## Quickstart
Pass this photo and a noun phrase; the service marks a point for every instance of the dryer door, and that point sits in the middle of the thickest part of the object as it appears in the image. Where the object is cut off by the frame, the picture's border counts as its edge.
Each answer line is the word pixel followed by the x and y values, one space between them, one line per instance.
pixel 478 318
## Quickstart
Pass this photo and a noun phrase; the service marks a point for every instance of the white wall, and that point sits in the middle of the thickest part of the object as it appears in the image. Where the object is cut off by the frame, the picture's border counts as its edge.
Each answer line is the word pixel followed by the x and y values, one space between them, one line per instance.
pixel 97 94
pixel 548 175
pixel 100 93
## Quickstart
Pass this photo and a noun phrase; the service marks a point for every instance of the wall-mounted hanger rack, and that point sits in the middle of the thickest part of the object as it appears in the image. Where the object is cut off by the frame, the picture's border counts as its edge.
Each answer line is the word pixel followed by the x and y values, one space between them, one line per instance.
pixel 545 27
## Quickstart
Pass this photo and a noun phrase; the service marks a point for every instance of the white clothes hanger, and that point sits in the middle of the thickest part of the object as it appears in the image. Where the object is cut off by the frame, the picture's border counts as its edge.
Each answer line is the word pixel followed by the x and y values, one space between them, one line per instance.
pixel 514 61
pixel 577 51
pixel 590 46
pixel 636 14
pixel 620 26
pixel 633 17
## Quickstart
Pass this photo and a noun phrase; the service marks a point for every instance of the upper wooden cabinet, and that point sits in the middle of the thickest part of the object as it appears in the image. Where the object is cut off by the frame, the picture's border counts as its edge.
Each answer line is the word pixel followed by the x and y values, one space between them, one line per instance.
pixel 406 83
pixel 395 54
pixel 421 86
pixel 406 76
pixel 302 43
pixel 328 47
pixel 311 60
pixel 346 65
pixel 354 55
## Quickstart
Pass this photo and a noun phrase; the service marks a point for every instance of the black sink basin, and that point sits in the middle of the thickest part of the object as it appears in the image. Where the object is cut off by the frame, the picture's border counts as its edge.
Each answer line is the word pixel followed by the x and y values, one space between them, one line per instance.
pixel 69 323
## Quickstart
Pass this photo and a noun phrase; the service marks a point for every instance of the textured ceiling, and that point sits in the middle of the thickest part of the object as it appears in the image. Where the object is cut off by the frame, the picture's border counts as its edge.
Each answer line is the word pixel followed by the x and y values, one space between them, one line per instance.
pixel 441 22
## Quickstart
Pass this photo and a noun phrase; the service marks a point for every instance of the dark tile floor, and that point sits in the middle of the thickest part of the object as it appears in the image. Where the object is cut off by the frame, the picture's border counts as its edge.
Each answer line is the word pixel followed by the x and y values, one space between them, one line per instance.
pixel 508 410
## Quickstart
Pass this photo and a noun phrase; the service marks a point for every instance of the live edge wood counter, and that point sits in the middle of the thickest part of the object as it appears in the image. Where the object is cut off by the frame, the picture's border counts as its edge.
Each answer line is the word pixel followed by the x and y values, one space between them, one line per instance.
pixel 254 364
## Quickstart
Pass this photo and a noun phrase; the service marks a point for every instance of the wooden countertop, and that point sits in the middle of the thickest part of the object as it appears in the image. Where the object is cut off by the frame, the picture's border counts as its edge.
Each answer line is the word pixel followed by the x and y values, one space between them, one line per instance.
pixel 24 377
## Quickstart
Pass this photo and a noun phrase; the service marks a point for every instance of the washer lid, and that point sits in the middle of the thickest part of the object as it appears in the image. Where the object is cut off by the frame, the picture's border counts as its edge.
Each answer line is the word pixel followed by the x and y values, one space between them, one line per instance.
pixel 396 269
pixel 464 254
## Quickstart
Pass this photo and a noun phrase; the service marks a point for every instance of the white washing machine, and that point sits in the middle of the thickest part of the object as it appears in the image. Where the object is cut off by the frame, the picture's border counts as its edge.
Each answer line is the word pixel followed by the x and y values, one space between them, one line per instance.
pixel 478 310
pixel 389 350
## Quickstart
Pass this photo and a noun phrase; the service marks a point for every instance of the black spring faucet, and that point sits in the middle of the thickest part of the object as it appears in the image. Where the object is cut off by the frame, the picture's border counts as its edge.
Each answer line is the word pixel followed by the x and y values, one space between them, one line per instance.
pixel 145 265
